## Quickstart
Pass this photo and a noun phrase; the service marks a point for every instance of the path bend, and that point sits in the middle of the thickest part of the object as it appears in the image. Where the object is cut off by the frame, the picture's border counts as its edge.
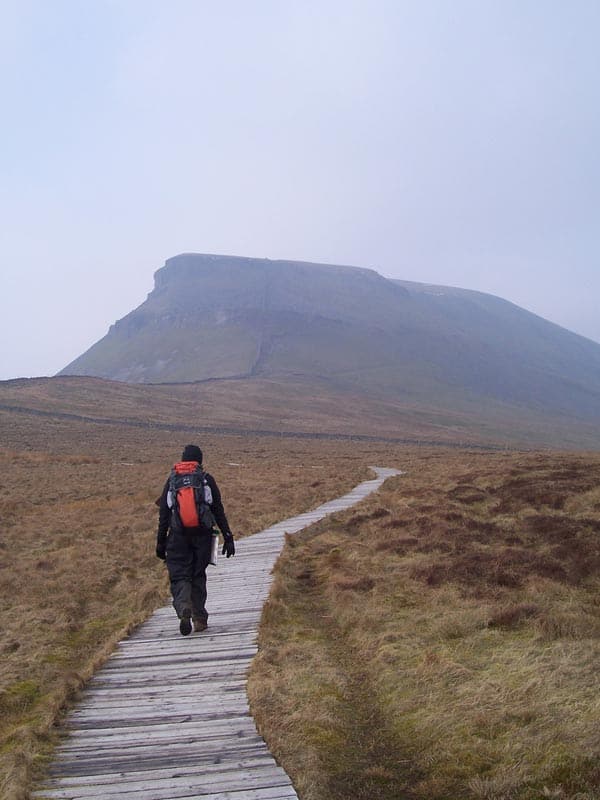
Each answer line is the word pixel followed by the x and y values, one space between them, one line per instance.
pixel 167 716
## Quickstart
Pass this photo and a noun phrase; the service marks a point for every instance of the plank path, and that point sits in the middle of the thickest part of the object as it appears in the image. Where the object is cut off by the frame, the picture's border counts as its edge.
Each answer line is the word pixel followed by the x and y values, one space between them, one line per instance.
pixel 167 716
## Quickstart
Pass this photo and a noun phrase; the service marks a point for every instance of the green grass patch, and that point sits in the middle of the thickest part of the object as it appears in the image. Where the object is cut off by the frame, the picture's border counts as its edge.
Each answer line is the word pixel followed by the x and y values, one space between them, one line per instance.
pixel 19 697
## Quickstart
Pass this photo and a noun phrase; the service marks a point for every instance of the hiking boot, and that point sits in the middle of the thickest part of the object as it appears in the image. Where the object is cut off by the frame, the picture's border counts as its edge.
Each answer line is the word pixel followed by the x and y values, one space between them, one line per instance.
pixel 200 624
pixel 185 624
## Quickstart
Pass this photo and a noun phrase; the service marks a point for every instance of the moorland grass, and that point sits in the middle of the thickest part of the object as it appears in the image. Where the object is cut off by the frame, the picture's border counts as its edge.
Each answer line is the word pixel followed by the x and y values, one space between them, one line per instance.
pixel 442 640
pixel 77 563
pixel 297 404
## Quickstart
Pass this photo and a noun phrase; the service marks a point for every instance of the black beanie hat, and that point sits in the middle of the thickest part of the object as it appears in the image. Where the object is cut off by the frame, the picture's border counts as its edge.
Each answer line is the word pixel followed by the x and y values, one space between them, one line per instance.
pixel 192 452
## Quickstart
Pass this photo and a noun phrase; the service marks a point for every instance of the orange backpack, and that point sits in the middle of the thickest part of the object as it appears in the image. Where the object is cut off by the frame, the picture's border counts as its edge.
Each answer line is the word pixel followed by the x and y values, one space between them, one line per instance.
pixel 190 496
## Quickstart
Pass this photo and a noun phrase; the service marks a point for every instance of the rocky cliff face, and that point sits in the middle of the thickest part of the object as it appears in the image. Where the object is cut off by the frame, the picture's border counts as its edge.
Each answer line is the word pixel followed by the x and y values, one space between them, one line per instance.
pixel 212 317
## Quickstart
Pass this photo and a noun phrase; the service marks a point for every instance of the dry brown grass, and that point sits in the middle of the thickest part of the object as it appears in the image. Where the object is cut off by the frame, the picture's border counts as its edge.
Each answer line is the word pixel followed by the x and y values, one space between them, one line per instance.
pixel 250 404
pixel 77 563
pixel 297 404
pixel 442 641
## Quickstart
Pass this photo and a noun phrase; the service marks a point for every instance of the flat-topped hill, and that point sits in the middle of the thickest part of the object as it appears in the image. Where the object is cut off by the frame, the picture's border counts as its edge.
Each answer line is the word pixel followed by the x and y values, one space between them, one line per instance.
pixel 352 331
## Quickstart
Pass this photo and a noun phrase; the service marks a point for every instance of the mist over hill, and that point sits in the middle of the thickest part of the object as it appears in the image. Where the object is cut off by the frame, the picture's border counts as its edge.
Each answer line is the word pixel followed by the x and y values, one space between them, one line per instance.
pixel 222 317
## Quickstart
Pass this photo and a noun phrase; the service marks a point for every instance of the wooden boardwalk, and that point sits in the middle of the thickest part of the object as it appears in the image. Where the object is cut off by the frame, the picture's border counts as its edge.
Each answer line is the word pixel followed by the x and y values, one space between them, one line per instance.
pixel 167 716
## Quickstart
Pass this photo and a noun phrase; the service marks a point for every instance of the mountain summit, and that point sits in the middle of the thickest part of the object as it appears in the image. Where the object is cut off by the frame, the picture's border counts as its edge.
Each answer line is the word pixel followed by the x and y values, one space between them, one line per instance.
pixel 216 317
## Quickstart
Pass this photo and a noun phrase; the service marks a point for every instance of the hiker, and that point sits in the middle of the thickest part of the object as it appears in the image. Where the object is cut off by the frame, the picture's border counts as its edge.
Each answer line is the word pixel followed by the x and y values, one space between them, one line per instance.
pixel 189 506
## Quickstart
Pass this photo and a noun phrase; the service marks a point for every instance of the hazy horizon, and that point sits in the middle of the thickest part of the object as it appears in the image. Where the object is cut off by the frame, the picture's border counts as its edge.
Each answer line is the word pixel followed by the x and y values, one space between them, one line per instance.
pixel 444 143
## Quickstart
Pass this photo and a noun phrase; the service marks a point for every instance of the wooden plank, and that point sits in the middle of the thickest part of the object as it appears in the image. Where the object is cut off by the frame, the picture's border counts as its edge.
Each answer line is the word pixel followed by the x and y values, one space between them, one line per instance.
pixel 172 789
pixel 123 740
pixel 143 694
pixel 217 766
pixel 206 638
pixel 264 793
pixel 98 722
pixel 170 728
pixel 167 716
pixel 167 659
pixel 153 756
pixel 196 708
pixel 190 662
pixel 199 745
pixel 161 753
pixel 222 684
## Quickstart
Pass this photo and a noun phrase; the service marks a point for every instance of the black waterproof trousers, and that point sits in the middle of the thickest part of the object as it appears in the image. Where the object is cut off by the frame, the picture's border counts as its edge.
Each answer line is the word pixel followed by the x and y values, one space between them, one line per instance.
pixel 188 555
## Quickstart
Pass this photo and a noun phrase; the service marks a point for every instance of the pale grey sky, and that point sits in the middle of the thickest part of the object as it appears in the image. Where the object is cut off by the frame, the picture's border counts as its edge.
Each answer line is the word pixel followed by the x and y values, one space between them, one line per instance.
pixel 444 141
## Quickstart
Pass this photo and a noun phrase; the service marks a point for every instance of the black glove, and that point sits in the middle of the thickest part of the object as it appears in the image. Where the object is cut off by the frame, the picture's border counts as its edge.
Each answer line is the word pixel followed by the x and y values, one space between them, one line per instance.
pixel 228 545
pixel 161 550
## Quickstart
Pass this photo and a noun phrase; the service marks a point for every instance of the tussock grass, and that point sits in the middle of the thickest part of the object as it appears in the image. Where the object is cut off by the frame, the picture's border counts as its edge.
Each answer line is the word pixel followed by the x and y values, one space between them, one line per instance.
pixel 442 640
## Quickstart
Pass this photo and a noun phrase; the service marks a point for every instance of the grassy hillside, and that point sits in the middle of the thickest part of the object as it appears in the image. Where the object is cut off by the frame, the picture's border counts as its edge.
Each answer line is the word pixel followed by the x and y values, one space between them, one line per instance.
pixel 249 405
pixel 193 349
pixel 295 406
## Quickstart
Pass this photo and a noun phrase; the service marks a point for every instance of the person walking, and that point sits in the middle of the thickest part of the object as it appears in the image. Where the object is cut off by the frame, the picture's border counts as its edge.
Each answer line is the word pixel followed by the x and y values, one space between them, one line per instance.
pixel 189 506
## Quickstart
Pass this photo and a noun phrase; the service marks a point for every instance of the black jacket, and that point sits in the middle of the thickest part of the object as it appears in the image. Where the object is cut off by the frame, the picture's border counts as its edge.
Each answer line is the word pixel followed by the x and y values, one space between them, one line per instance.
pixel 165 513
